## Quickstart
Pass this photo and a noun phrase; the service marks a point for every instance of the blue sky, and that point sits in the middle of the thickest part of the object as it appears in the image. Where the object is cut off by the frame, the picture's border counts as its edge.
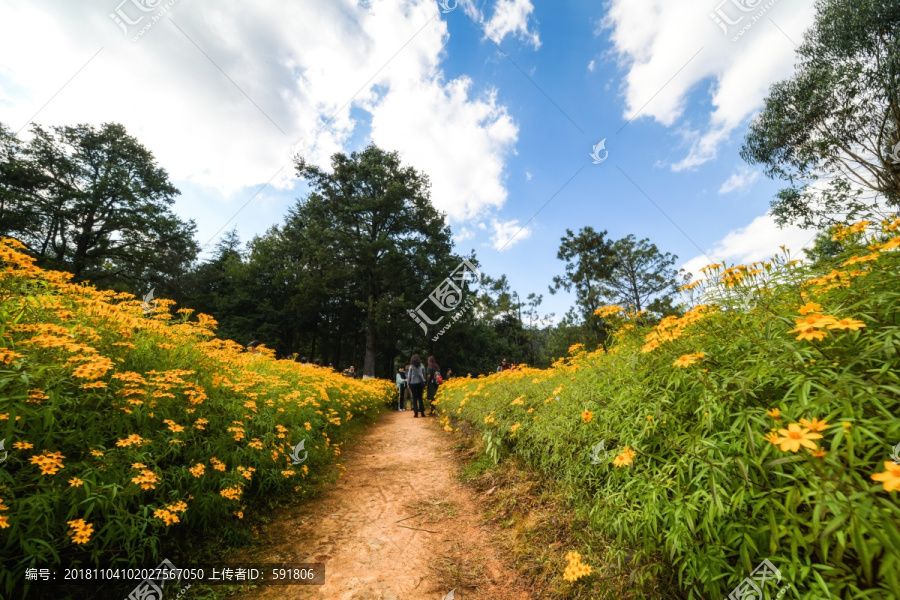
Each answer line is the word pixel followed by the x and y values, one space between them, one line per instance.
pixel 499 101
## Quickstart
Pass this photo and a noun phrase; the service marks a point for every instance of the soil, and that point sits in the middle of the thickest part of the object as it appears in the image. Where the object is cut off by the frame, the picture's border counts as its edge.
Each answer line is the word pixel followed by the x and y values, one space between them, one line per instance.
pixel 398 525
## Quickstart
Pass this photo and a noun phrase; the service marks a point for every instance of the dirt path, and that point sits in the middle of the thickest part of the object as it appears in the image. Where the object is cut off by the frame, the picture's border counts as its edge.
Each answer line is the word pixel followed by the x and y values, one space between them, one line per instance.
pixel 396 526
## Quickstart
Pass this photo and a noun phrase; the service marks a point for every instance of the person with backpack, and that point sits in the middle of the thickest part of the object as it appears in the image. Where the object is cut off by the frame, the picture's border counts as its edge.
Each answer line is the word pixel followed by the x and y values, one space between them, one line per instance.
pixel 503 366
pixel 433 379
pixel 416 381
pixel 401 387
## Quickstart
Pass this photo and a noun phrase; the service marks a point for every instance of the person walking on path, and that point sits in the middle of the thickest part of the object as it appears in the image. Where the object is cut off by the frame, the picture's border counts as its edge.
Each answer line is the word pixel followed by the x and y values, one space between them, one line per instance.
pixel 401 387
pixel 416 381
pixel 433 379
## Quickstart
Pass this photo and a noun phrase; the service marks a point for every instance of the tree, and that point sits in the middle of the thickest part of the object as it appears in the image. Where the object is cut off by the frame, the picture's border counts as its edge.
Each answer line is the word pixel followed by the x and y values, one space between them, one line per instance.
pixel 372 217
pixel 641 278
pixel 588 256
pixel 94 202
pixel 832 131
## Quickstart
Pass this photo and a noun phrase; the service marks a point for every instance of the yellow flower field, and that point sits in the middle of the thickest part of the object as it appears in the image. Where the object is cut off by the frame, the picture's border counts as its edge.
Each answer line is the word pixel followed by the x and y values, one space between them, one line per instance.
pixel 124 425
pixel 757 425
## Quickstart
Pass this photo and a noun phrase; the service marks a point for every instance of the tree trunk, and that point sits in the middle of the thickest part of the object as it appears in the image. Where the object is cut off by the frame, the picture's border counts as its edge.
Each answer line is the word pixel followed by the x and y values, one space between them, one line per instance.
pixel 369 366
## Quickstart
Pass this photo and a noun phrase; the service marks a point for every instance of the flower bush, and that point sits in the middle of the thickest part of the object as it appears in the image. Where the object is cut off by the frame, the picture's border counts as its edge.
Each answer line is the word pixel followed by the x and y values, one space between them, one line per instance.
pixel 127 426
pixel 757 425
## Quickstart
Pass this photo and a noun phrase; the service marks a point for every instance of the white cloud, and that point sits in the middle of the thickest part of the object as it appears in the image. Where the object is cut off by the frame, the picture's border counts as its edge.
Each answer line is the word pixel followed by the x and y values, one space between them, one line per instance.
pixel 463 234
pixel 460 142
pixel 299 63
pixel 507 234
pixel 592 65
pixel 655 41
pixel 744 178
pixel 528 175
pixel 759 240
pixel 510 18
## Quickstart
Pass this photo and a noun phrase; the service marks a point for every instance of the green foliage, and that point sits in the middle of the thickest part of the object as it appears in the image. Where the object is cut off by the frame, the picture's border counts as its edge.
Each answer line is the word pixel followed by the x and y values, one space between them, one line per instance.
pixel 642 277
pixel 632 273
pixel 589 259
pixel 94 202
pixel 837 120
pixel 708 492
pixel 150 430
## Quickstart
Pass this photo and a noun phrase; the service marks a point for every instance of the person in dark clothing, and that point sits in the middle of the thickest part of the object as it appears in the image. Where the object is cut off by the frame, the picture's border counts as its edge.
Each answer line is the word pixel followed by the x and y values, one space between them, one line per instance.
pixel 401 387
pixel 416 381
pixel 434 371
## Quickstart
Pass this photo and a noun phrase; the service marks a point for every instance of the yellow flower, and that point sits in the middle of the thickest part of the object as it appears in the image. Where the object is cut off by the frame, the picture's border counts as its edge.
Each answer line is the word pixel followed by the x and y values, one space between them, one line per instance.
pixel 586 416
pixel 890 245
pixel 795 436
pixel 198 470
pixel 811 334
pixel 131 440
pixel 890 477
pixel 846 425
pixel 815 424
pixel 138 466
pixel 625 458
pixel 810 307
pixel 515 427
pixel 173 426
pixel 605 311
pixel 23 446
pixel 775 413
pixel 576 569
pixel 851 324
pixel 81 531
pixel 232 493
pixel 820 452
pixel 167 516
pixel 147 480
pixel 688 360
pixel 49 462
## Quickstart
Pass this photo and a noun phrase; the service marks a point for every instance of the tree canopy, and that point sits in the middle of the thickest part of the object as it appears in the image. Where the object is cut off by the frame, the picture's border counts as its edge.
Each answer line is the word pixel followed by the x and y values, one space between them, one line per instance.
pixel 94 202
pixel 831 131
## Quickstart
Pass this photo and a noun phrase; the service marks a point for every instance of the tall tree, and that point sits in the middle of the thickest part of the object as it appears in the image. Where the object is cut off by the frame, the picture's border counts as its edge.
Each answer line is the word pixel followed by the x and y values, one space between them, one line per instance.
pixel 642 277
pixel 588 256
pixel 373 217
pixel 832 130
pixel 94 202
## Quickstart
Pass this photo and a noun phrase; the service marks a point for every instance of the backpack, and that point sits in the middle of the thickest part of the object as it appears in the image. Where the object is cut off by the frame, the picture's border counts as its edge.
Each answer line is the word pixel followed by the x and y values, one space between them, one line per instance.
pixel 438 378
